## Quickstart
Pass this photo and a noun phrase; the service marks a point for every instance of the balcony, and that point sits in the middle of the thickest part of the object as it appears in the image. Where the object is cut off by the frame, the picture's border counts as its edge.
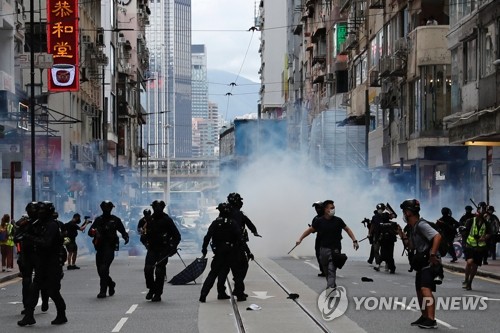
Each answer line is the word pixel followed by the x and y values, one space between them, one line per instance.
pixel 318 73
pixel 386 64
pixel 428 46
pixel 376 4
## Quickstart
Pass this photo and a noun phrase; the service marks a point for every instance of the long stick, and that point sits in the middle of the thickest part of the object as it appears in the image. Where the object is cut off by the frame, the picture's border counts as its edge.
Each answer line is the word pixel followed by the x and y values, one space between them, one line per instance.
pixel 292 248
pixel 363 239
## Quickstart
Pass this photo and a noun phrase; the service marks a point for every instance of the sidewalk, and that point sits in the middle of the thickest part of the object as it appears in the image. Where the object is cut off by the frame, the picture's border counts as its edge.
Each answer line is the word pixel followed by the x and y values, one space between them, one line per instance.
pixel 492 270
pixel 6 276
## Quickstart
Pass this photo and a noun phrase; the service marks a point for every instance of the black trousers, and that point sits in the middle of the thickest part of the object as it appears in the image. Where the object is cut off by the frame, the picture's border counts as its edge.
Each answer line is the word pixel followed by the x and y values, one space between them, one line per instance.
pixel 26 264
pixel 387 254
pixel 317 252
pixel 237 263
pixel 155 275
pixel 103 259
pixel 48 275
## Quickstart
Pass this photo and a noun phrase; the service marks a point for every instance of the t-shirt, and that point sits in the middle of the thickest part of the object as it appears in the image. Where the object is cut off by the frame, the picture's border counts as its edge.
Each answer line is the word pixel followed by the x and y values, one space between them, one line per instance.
pixel 422 238
pixel 72 230
pixel 330 231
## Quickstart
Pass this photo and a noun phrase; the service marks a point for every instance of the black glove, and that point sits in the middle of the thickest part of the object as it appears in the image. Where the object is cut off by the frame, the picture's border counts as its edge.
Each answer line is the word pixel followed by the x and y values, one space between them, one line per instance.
pixel 250 256
pixel 126 239
pixel 204 252
pixel 256 234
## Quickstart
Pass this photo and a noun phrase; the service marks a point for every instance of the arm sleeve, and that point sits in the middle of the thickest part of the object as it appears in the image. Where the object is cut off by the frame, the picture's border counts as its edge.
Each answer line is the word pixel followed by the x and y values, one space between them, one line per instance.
pixel 207 237
pixel 121 228
pixel 249 224
pixel 176 235
pixel 427 231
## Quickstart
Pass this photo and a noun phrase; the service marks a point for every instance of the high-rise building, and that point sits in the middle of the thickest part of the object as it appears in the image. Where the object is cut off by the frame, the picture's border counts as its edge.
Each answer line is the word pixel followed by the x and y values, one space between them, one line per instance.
pixel 199 81
pixel 169 96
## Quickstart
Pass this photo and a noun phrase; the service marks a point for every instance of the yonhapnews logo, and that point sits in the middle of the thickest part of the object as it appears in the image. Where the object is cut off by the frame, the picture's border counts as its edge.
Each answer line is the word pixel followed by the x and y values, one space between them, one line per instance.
pixel 333 303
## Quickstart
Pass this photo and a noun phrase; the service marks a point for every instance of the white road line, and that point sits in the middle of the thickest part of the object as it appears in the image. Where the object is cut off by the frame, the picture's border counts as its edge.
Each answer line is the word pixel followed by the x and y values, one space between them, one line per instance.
pixel 442 323
pixel 373 291
pixel 354 282
pixel 310 264
pixel 120 324
pixel 132 309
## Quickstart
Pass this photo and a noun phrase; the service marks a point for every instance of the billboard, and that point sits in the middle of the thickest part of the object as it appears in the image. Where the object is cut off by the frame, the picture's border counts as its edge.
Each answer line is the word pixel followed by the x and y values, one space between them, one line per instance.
pixel 62 43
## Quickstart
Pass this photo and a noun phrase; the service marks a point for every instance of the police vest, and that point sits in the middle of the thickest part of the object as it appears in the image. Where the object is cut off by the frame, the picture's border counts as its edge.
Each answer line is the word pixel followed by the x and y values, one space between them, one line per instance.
pixel 475 233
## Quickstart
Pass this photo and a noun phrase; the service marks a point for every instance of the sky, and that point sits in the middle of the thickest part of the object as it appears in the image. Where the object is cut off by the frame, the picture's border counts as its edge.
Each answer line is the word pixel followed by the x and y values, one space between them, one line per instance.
pixel 222 25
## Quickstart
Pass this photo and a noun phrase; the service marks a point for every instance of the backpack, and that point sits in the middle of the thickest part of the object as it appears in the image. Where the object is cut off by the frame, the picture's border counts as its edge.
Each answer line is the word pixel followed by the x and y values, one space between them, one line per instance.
pixel 443 246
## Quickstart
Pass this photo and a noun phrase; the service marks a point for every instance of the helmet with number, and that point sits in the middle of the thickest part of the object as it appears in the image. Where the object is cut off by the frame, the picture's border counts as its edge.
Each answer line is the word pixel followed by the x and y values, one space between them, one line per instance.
pixel 45 209
pixel 413 205
pixel 235 200
pixel 107 206
pixel 224 209
pixel 445 211
pixel 32 208
pixel 146 212
pixel 318 207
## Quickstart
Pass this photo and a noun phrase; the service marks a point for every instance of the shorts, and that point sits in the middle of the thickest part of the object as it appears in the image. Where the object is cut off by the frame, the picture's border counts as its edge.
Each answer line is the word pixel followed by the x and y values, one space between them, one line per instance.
pixel 425 279
pixel 71 246
pixel 475 253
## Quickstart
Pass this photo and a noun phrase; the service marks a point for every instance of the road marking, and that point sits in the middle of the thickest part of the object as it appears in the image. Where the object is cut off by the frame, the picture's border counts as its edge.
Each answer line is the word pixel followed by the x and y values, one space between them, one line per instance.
pixel 120 324
pixel 484 278
pixel 354 282
pixel 373 291
pixel 261 295
pixel 311 264
pixel 443 323
pixel 132 309
pixel 484 297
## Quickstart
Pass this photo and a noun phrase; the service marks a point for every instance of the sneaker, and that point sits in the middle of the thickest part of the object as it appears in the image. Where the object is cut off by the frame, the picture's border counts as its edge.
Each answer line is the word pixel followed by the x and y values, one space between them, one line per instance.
pixel 438 280
pixel 418 321
pixel 428 323
pixel 150 295
pixel 9 269
pixel 70 267
pixel 76 267
pixel 60 319
pixel 377 268
pixel 156 298
pixel 241 298
pixel 101 295
pixel 322 274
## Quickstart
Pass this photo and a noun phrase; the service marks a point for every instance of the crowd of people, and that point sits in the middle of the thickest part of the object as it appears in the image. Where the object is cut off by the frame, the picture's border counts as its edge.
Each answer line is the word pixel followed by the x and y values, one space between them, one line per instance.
pixel 45 244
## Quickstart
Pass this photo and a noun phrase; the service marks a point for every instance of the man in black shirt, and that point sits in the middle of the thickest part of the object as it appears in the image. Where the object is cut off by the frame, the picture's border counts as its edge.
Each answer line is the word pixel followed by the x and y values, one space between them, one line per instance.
pixel 72 228
pixel 103 230
pixel 330 229
pixel 161 238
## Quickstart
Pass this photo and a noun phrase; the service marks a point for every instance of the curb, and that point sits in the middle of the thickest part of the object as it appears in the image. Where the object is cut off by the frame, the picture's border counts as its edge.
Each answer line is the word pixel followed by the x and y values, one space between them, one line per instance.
pixel 9 277
pixel 480 272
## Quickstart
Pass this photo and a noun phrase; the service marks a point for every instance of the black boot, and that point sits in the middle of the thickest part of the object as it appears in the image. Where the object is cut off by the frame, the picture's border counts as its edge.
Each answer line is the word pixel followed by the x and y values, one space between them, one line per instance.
pixel 203 298
pixel 102 294
pixel 150 294
pixel 45 306
pixel 28 319
pixel 60 319
pixel 112 286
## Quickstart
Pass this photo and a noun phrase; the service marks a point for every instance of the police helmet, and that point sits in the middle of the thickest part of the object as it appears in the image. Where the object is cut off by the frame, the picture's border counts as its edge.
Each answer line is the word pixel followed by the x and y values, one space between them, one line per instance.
pixel 445 211
pixel 32 207
pixel 158 204
pixel 481 207
pixel 50 206
pixel 491 209
pixel 468 208
pixel 413 205
pixel 318 207
pixel 381 206
pixel 235 199
pixel 146 212
pixel 44 209
pixel 224 209
pixel 107 204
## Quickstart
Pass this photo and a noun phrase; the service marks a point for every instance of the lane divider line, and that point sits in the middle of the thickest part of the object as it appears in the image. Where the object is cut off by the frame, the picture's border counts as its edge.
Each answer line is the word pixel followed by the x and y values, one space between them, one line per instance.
pixel 119 325
pixel 443 323
pixel 132 309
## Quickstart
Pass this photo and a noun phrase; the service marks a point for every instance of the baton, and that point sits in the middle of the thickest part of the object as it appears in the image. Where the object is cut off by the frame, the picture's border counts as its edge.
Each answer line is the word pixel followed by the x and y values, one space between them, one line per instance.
pixel 363 239
pixel 473 202
pixel 292 248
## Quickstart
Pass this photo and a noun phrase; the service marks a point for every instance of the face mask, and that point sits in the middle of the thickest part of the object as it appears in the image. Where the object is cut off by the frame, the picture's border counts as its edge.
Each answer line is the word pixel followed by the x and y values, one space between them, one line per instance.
pixel 380 211
pixel 405 219
pixel 332 212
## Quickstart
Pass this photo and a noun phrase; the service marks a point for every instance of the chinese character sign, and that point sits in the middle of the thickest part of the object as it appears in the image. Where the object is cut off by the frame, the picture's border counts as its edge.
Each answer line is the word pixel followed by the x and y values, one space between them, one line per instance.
pixel 62 43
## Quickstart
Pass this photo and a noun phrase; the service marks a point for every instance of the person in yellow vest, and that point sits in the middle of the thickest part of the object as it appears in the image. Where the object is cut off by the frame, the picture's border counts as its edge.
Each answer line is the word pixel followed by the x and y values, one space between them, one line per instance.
pixel 477 232
pixel 7 243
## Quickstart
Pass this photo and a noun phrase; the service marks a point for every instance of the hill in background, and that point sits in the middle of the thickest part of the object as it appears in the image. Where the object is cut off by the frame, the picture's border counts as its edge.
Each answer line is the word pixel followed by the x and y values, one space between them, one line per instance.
pixel 244 98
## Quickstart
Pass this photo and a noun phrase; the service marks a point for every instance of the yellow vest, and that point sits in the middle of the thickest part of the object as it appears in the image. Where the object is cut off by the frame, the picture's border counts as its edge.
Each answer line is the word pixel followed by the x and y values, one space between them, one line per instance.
pixel 471 240
pixel 10 235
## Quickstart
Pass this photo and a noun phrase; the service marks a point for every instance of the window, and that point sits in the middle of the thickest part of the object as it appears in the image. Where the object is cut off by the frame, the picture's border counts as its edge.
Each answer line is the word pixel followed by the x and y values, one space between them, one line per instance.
pixel 470 64
pixel 455 86
pixel 488 50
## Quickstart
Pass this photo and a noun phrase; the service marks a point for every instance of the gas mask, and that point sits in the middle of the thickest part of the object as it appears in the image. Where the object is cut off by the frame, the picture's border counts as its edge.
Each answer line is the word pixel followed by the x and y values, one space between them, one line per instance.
pixel 332 212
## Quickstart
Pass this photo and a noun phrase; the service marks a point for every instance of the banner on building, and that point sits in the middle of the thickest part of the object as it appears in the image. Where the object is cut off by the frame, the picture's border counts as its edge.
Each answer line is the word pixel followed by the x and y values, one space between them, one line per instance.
pixel 62 43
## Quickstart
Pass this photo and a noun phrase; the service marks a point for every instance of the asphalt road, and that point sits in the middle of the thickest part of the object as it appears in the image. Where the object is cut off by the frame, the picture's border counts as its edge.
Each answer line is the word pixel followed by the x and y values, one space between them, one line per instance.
pixel 269 282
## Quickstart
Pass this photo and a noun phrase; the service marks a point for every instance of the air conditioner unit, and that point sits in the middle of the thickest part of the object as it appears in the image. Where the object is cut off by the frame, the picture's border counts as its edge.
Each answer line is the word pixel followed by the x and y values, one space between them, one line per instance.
pixel 398 67
pixel 385 66
pixel 401 46
pixel 86 39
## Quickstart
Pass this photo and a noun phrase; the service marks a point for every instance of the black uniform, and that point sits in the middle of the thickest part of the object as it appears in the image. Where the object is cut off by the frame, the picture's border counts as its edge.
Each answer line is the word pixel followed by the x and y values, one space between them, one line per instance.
pixel 449 227
pixel 105 241
pixel 385 236
pixel 227 246
pixel 161 240
pixel 45 235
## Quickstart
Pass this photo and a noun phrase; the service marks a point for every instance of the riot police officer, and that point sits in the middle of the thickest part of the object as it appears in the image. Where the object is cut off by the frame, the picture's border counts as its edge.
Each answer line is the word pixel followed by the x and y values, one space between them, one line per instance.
pixel 47 239
pixel 226 245
pixel 105 241
pixel 385 236
pixel 26 254
pixel 161 239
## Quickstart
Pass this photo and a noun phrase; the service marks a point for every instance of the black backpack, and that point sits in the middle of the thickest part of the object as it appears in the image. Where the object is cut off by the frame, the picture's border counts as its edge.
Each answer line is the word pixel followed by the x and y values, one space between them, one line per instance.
pixel 443 246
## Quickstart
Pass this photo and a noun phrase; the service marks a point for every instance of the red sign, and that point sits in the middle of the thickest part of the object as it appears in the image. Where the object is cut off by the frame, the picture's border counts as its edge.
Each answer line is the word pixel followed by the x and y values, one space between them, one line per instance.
pixel 47 153
pixel 62 43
